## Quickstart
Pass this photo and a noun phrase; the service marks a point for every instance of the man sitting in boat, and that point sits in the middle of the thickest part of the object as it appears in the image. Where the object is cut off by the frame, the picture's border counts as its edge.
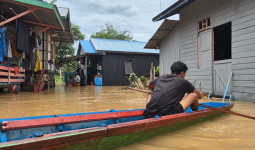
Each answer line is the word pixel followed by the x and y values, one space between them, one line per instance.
pixel 169 90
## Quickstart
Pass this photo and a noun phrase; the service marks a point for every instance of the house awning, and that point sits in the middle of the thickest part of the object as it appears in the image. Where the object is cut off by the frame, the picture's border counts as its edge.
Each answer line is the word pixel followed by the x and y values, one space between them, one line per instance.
pixel 164 29
pixel 60 35
pixel 35 13
pixel 173 9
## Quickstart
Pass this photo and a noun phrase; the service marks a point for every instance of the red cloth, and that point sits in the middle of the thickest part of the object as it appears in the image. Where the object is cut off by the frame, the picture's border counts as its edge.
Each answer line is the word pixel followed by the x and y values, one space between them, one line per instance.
pixel 16 69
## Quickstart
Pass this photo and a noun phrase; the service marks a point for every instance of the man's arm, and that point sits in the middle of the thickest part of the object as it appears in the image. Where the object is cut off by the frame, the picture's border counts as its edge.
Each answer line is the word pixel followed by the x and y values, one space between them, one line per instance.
pixel 152 83
pixel 199 95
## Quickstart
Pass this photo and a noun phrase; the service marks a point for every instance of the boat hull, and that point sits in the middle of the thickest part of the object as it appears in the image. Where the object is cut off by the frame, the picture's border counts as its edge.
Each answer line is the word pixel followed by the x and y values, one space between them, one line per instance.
pixel 114 135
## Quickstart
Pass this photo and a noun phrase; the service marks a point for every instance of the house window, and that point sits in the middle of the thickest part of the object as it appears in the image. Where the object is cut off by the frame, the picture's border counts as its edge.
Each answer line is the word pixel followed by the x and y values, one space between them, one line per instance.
pixel 204 24
pixel 222 42
pixel 128 67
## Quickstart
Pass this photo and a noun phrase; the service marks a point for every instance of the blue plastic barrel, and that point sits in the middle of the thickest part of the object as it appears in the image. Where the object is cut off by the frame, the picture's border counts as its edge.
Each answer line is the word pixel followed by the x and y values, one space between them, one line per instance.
pixel 98 80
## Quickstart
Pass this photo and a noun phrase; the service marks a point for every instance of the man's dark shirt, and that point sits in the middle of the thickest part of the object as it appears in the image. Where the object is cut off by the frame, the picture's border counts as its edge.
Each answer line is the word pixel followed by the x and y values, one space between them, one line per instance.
pixel 168 92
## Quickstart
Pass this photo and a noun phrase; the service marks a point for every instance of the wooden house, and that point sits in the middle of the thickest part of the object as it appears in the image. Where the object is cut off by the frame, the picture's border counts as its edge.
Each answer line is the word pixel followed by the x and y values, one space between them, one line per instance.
pixel 116 60
pixel 214 38
pixel 32 26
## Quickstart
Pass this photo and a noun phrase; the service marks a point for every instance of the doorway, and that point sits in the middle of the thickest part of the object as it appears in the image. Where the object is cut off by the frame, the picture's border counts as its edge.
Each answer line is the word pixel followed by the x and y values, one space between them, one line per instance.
pixel 222 58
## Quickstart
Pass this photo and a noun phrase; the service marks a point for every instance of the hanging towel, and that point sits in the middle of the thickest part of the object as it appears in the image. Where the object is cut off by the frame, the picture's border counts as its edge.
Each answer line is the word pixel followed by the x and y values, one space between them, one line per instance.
pixel 9 50
pixel 15 53
pixel 2 43
pixel 38 64
pixel 16 69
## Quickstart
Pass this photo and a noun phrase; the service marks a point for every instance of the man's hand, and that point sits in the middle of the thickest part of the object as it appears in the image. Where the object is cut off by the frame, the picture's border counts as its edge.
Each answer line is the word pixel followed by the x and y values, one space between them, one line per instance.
pixel 199 95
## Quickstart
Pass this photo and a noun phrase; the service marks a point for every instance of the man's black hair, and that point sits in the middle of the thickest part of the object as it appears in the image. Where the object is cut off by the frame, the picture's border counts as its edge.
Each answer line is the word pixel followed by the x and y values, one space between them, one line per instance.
pixel 178 67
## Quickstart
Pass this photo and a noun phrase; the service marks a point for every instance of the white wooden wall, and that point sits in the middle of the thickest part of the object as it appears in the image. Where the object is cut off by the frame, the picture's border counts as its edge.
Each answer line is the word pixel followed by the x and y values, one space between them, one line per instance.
pixel 243 49
pixel 183 41
pixel 169 52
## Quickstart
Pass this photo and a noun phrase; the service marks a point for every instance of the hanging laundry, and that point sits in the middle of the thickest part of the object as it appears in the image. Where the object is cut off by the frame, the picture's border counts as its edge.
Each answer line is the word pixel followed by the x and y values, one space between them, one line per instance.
pixel 16 69
pixel 22 38
pixel 15 53
pixel 38 64
pixel 2 43
pixel 9 50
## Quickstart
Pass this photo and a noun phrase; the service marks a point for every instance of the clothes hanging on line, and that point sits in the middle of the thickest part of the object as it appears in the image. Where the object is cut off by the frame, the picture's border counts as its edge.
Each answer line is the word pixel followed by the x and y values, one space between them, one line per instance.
pixel 2 43
pixel 22 38
pixel 9 49
pixel 15 53
pixel 38 63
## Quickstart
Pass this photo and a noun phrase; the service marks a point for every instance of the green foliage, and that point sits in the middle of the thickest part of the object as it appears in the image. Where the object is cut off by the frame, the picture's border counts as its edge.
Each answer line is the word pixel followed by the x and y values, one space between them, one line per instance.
pixel 76 32
pixel 53 1
pixel 157 70
pixel 67 49
pixel 143 80
pixel 136 81
pixel 59 79
pixel 132 77
pixel 70 67
pixel 110 32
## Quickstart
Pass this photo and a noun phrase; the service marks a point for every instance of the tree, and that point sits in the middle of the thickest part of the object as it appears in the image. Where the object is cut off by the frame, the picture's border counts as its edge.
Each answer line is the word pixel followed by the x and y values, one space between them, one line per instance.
pixel 112 33
pixel 67 49
pixel 53 1
pixel 76 33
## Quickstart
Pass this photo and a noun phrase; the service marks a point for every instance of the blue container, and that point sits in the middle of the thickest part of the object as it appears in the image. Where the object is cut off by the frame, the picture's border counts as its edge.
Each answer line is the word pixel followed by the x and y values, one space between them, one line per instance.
pixel 98 80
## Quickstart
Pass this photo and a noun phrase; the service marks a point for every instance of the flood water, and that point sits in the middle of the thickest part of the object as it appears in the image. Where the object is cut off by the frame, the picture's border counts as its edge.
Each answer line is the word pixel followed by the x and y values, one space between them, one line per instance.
pixel 227 132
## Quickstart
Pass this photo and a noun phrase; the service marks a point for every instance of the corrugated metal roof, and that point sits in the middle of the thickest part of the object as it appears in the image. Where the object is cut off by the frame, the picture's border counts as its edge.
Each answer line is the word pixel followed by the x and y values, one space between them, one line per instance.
pixel 173 9
pixel 36 3
pixel 164 29
pixel 86 47
pixel 45 14
pixel 121 46
pixel 64 12
pixel 64 36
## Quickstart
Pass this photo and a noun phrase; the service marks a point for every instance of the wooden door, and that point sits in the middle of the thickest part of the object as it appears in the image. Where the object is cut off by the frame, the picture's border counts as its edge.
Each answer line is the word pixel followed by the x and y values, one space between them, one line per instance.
pixel 205 49
pixel 222 71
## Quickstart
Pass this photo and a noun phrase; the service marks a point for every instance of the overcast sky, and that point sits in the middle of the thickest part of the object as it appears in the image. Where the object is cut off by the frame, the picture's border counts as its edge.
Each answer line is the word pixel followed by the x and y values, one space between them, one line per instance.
pixel 132 15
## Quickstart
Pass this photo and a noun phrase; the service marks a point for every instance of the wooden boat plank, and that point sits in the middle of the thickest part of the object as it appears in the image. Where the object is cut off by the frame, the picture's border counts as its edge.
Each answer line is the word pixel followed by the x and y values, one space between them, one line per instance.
pixel 124 128
pixel 22 124
pixel 57 139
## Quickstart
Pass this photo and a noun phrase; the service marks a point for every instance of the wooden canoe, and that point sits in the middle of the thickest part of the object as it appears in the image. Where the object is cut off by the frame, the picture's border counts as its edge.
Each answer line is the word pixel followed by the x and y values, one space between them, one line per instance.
pixel 98 130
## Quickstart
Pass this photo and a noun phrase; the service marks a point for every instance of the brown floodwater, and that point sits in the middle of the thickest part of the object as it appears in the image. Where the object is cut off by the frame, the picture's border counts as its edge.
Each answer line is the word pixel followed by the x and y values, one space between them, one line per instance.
pixel 227 132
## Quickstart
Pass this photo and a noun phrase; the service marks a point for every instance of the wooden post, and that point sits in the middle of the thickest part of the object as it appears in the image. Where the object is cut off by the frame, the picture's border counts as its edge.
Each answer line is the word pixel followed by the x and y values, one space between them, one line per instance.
pixel 9 74
pixel 86 70
pixel 151 72
pixel 60 73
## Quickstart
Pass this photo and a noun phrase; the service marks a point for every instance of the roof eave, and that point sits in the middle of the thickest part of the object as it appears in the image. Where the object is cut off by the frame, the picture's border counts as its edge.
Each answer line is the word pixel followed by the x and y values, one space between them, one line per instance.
pixel 58 16
pixel 164 30
pixel 36 3
pixel 172 10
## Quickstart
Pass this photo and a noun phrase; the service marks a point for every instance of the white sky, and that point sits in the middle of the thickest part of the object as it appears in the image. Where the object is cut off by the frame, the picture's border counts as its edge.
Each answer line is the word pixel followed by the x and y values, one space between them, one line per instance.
pixel 132 15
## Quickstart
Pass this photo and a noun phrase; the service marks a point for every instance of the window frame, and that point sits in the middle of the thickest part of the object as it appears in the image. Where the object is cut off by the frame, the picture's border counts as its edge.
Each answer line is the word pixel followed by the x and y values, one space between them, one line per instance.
pixel 130 63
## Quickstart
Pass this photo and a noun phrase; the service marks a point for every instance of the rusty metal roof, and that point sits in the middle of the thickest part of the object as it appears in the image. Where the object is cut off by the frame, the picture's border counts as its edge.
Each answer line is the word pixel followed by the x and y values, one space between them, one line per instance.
pixel 164 29
pixel 45 15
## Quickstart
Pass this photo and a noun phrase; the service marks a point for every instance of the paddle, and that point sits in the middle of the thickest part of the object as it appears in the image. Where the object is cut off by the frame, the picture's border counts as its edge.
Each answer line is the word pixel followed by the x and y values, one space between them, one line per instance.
pixel 226 111
pixel 213 108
